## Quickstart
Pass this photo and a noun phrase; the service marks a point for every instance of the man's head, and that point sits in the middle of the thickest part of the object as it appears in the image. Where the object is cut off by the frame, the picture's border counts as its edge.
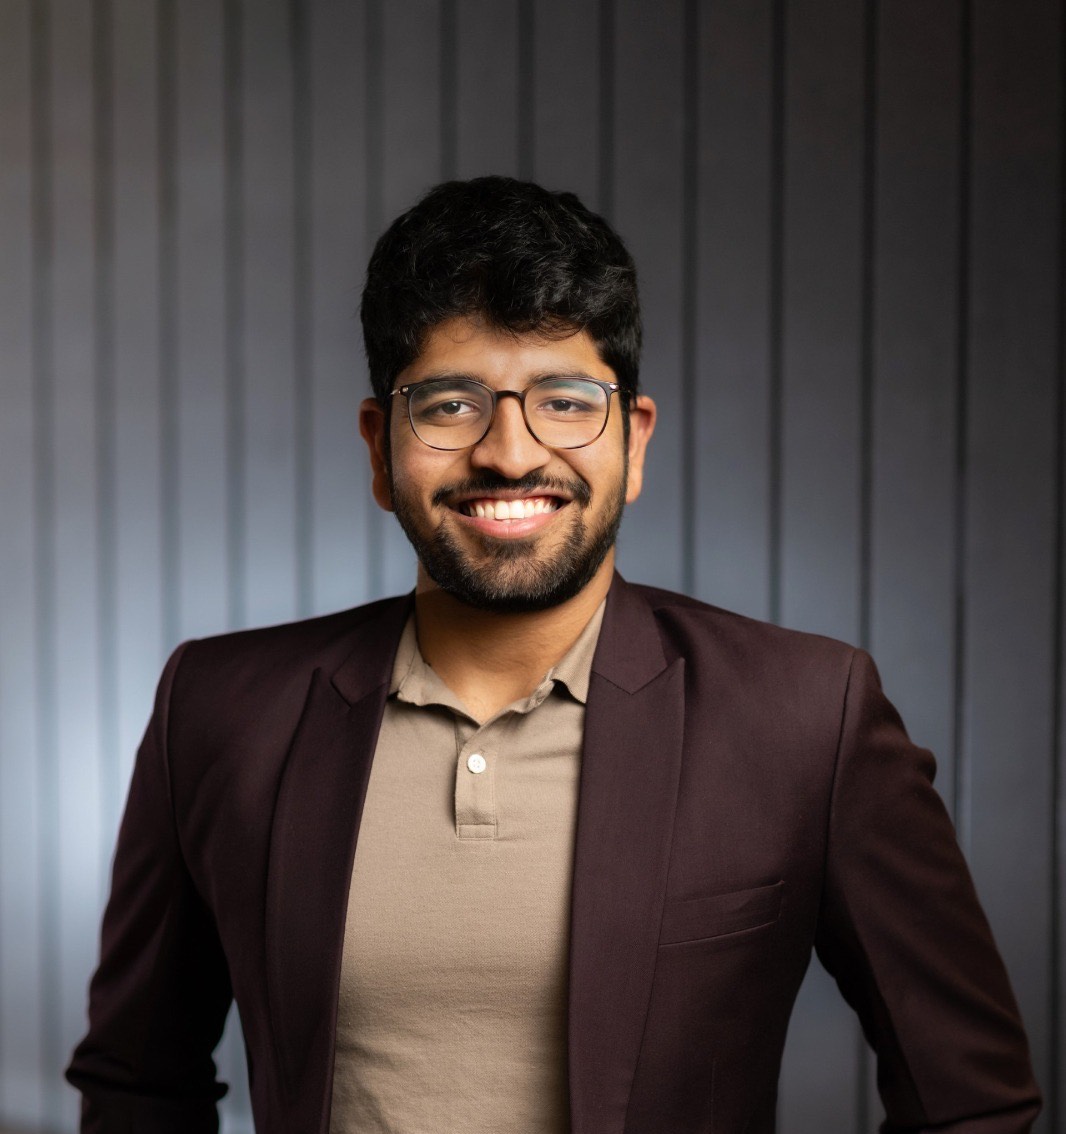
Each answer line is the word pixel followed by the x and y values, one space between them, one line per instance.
pixel 503 334
pixel 518 257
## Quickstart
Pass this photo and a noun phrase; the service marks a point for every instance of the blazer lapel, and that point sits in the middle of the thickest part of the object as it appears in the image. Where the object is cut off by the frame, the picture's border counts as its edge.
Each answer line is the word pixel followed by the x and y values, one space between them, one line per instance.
pixel 312 847
pixel 631 761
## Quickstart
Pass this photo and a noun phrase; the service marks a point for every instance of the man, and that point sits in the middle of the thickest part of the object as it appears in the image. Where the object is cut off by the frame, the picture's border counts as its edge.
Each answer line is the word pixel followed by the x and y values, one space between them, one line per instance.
pixel 537 850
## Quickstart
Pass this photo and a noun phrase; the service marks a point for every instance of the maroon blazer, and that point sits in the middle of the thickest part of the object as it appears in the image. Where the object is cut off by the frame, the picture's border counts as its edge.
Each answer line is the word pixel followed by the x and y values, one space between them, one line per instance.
pixel 747 794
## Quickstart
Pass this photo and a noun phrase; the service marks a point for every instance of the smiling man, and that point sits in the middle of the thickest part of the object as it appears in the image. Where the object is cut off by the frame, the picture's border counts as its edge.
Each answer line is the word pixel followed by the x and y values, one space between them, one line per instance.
pixel 532 850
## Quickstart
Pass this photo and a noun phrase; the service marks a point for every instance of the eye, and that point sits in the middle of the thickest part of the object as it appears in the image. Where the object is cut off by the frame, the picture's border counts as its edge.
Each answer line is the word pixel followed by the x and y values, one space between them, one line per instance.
pixel 563 406
pixel 446 403
pixel 453 408
pixel 566 399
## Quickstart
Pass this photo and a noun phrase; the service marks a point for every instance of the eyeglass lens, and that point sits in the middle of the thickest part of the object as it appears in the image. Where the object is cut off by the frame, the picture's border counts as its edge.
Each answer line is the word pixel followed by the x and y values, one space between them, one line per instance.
pixel 562 413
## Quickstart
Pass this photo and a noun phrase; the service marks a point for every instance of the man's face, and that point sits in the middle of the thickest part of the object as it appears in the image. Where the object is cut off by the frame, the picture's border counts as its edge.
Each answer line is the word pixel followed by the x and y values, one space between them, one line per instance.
pixel 508 524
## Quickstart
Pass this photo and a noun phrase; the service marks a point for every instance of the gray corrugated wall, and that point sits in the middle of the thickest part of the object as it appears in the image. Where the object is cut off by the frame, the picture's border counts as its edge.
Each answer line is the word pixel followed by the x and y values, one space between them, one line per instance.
pixel 849 222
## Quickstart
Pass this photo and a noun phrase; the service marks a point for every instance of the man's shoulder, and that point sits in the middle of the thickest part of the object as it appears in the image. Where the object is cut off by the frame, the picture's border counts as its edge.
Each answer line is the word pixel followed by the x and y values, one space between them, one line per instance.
pixel 315 634
pixel 271 657
pixel 752 670
pixel 694 626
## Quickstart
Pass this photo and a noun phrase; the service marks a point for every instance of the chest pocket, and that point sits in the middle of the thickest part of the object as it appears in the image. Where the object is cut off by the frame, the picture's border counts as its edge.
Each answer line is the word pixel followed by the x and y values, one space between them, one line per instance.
pixel 695 919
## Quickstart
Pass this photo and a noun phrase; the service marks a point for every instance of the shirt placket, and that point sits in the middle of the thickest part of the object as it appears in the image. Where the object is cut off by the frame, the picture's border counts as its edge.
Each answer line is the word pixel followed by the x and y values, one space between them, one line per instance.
pixel 475 782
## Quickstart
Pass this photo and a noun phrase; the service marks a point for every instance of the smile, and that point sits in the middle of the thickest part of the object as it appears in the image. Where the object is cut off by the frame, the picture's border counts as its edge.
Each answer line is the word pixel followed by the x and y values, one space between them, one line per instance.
pixel 491 508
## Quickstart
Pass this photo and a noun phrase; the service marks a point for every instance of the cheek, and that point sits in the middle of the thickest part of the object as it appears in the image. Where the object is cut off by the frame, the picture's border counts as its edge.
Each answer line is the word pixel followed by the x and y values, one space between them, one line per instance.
pixel 610 472
pixel 417 471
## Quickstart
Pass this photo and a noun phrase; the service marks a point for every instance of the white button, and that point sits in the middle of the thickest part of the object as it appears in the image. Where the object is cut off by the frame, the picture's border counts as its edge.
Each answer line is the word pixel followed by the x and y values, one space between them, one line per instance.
pixel 476 763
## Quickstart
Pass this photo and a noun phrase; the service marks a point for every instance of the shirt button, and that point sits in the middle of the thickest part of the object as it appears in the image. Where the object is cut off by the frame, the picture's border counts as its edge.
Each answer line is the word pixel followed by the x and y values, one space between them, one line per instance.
pixel 476 763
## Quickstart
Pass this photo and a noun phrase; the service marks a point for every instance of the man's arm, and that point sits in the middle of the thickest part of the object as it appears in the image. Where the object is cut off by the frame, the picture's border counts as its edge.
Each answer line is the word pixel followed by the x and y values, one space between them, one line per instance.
pixel 902 932
pixel 158 1000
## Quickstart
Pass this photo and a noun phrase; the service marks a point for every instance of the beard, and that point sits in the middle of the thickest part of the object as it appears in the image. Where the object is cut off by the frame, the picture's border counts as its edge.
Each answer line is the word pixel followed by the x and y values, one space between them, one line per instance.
pixel 512 575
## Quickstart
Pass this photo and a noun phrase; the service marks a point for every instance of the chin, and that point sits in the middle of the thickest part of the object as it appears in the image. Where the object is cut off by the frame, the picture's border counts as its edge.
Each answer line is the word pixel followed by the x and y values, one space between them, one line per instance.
pixel 511 580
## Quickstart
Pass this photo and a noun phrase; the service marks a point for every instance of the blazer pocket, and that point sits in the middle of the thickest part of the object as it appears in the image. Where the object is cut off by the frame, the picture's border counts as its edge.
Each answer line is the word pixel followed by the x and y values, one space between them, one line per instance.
pixel 695 919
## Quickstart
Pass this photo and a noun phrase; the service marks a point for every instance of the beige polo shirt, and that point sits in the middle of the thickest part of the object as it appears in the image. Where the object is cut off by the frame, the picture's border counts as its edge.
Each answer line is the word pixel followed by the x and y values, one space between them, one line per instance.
pixel 454 975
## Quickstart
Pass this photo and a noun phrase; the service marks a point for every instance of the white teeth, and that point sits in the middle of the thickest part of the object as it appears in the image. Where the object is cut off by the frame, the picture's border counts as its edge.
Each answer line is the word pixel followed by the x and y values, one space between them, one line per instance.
pixel 510 509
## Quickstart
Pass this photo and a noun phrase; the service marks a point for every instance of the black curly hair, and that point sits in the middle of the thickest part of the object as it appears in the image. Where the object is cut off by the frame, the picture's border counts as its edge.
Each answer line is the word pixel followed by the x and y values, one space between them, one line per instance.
pixel 520 257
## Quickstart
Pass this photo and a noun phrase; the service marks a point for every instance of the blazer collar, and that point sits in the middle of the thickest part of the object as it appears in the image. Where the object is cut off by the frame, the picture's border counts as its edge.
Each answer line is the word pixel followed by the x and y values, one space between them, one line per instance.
pixel 629 653
pixel 312 848
pixel 369 665
pixel 630 768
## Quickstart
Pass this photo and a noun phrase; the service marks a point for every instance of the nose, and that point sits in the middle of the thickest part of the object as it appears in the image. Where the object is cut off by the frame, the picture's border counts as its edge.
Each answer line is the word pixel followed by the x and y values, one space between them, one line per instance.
pixel 509 448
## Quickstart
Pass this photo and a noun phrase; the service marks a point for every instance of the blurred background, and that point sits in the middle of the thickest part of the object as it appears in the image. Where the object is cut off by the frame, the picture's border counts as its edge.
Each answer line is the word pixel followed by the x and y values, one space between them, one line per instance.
pixel 848 219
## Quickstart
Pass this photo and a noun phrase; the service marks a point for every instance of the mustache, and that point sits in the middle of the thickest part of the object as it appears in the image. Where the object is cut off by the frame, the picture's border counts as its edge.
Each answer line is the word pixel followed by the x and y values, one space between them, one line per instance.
pixel 533 483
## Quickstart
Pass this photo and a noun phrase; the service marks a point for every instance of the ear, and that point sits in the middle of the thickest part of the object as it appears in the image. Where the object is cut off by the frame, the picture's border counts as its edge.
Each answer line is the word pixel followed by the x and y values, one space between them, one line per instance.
pixel 372 425
pixel 641 426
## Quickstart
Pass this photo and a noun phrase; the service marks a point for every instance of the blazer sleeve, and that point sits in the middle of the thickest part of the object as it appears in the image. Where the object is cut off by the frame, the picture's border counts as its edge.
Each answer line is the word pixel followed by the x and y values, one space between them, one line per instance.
pixel 902 932
pixel 159 998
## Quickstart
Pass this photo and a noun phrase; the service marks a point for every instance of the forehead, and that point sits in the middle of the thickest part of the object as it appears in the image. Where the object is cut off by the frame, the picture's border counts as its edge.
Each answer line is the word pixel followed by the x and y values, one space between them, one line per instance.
pixel 471 348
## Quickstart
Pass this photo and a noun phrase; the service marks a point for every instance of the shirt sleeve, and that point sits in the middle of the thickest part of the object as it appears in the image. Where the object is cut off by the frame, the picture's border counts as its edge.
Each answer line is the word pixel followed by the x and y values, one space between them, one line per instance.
pixel 159 998
pixel 902 932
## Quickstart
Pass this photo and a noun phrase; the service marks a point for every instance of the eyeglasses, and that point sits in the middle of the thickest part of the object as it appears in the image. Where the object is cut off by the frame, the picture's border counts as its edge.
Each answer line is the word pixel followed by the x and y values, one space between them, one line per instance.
pixel 560 412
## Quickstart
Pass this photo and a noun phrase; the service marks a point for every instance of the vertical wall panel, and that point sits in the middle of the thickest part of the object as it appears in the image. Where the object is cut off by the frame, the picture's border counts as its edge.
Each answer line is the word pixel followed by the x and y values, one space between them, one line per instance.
pixel 647 207
pixel 22 1076
pixel 487 81
pixel 136 561
pixel 732 380
pixel 411 104
pixel 75 807
pixel 268 409
pixel 411 160
pixel 1056 1085
pixel 1011 462
pixel 566 62
pixel 197 313
pixel 914 364
pixel 341 501
pixel 822 354
pixel 822 350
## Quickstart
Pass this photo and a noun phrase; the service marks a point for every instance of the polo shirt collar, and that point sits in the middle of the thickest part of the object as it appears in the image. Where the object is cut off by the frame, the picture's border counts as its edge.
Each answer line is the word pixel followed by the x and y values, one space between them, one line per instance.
pixel 415 681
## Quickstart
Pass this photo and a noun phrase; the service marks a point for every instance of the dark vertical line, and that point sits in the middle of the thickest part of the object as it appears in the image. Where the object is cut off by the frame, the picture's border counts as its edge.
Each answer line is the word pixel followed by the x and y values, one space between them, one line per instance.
pixel 607 96
pixel 526 89
pixel 169 345
pixel 777 305
pixel 960 779
pixel 867 436
pixel 689 280
pixel 449 90
pixel 375 209
pixel 236 534
pixel 104 302
pixel 44 507
pixel 303 268
pixel 374 95
pixel 1058 781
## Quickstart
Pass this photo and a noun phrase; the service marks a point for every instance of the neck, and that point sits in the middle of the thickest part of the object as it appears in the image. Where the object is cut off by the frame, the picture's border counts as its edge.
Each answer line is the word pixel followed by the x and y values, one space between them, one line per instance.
pixel 489 660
